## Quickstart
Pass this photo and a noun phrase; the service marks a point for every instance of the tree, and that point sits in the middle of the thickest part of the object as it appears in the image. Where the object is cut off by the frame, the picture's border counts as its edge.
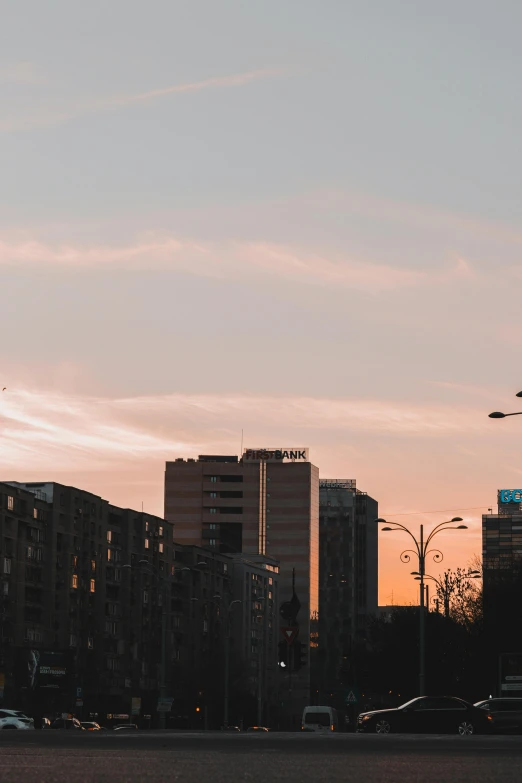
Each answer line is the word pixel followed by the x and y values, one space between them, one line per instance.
pixel 460 593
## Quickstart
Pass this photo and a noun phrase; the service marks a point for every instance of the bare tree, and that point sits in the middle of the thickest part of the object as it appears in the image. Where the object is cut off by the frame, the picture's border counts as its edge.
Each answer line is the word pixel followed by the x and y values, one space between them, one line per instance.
pixel 460 593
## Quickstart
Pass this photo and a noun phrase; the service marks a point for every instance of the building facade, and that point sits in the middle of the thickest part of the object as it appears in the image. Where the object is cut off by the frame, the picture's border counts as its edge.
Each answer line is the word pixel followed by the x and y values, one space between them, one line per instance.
pixel 348 547
pixel 502 585
pixel 265 503
pixel 99 605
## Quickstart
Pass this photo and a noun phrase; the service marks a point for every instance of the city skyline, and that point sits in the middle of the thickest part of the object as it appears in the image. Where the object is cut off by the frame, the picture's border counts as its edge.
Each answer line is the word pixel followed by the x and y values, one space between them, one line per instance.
pixel 295 221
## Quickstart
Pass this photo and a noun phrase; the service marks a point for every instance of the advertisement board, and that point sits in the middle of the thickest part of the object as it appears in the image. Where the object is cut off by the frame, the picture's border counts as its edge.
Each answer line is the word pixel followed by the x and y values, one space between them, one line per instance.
pixel 41 669
pixel 276 455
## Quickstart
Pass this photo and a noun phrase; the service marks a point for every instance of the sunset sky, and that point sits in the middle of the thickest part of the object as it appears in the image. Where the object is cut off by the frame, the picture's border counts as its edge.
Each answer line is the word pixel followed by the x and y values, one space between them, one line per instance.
pixel 294 218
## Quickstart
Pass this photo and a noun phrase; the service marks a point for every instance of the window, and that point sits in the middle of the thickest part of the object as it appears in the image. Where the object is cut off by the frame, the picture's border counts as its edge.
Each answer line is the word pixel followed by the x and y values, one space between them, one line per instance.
pixel 5 588
pixel 74 561
pixel 160 531
pixel 172 570
pixel 109 536
pixel 113 664
pixel 73 641
pixel 160 547
pixel 117 575
pixel 145 597
pixel 90 643
pixel 212 542
pixel 146 527
pixel 212 526
pixel 176 622
pixel 212 494
pixel 74 581
pixel 147 543
pixel 109 555
pixel 205 626
pixel 93 565
pixel 35 513
pixel 212 511
pixel 93 586
pixel 111 627
pixel 212 479
pixel 10 503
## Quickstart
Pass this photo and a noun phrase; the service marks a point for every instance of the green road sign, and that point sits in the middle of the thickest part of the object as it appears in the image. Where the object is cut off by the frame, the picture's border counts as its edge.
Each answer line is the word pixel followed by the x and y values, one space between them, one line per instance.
pixel 352 696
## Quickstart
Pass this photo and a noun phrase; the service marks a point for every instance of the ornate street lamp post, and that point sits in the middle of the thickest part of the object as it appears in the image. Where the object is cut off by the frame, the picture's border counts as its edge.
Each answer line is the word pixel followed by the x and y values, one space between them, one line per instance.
pixel 422 551
pixel 499 415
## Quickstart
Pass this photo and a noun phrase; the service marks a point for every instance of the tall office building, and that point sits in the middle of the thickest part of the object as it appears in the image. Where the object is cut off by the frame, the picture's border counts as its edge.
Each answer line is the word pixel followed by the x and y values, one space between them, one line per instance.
pixel 264 503
pixel 348 557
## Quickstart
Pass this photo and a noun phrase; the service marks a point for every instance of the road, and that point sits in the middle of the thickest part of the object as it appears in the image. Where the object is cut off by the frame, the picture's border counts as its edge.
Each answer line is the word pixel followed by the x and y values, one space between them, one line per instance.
pixel 100 757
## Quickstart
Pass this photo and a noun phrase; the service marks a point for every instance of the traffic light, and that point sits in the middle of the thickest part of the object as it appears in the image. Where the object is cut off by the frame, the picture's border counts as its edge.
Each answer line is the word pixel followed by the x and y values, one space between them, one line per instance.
pixel 283 654
pixel 300 655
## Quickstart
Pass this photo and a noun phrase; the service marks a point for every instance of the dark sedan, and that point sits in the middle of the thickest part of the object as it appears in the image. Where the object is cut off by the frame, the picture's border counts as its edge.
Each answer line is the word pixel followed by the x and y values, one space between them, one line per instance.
pixel 506 713
pixel 428 715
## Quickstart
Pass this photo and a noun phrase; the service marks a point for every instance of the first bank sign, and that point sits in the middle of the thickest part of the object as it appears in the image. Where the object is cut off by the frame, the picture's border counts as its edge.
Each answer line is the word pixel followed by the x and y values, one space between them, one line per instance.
pixel 510 495
pixel 275 455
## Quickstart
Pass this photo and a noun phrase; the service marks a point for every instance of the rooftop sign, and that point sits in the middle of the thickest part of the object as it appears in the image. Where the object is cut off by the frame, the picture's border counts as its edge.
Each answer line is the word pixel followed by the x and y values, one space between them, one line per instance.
pixel 336 483
pixel 510 496
pixel 275 455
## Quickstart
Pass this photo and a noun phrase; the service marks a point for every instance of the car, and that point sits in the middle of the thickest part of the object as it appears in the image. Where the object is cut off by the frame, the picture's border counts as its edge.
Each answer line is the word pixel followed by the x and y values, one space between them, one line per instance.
pixel 91 726
pixel 506 713
pixel 125 727
pixel 257 728
pixel 230 728
pixel 67 723
pixel 14 719
pixel 428 715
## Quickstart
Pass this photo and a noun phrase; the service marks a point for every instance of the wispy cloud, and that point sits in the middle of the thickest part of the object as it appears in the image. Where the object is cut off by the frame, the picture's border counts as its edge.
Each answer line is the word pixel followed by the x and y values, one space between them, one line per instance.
pixel 233 259
pixel 39 428
pixel 22 72
pixel 86 106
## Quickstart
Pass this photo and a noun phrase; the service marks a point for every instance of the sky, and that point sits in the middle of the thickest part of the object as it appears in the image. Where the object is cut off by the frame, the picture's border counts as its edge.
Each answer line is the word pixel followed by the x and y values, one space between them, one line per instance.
pixel 296 219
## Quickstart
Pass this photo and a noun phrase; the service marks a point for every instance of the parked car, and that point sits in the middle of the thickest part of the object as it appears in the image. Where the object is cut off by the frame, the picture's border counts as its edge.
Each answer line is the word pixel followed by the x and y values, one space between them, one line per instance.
pixel 506 714
pixel 428 715
pixel 14 719
pixel 68 723
pixel 257 728
pixel 126 727
pixel 91 726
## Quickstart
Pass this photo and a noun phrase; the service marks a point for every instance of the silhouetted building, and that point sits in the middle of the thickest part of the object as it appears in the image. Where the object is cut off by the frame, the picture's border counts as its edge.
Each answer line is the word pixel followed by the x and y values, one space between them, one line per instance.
pixel 348 552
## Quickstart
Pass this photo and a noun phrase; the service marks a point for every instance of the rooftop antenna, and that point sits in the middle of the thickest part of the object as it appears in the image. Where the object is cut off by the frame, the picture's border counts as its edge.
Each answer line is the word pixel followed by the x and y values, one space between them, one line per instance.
pixel 142 506
pixel 241 451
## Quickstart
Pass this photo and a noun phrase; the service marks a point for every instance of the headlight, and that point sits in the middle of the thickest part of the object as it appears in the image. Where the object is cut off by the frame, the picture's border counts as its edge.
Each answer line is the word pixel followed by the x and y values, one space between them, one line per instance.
pixel 365 717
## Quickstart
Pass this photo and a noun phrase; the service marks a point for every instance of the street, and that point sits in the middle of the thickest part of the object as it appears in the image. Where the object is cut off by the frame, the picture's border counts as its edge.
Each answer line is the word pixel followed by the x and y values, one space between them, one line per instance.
pixel 58 757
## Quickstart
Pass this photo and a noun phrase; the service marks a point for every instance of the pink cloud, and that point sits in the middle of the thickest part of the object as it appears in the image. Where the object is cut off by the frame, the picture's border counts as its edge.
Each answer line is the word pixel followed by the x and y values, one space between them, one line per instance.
pixel 233 259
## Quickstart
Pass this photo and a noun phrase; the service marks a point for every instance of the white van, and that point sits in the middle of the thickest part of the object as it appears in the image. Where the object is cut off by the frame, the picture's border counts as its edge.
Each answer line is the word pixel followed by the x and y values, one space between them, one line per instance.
pixel 323 719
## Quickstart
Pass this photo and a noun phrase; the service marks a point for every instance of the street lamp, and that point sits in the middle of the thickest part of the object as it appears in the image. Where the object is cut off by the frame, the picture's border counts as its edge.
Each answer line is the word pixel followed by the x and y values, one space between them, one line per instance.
pixel 499 415
pixel 421 551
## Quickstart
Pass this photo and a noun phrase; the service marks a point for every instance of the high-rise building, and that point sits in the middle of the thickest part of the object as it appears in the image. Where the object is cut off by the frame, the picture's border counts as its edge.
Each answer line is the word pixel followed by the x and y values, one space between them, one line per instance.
pixel 266 503
pixel 348 557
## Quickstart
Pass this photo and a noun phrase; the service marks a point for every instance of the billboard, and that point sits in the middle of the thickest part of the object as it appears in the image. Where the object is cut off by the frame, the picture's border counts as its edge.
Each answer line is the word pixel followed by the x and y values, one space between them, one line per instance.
pixel 276 455
pixel 41 669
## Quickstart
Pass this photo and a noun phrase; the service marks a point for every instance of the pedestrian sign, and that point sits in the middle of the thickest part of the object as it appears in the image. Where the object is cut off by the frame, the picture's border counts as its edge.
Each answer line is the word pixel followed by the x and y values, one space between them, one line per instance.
pixel 352 696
